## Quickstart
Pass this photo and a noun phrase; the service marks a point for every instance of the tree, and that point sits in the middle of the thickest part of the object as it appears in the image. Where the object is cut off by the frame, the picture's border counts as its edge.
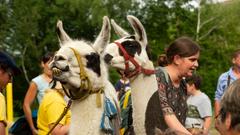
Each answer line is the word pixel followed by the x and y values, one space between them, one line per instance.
pixel 217 40
pixel 28 30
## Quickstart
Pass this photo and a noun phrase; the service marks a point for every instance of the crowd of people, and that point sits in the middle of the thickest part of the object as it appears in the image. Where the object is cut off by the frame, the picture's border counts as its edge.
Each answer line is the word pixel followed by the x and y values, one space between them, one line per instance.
pixel 185 109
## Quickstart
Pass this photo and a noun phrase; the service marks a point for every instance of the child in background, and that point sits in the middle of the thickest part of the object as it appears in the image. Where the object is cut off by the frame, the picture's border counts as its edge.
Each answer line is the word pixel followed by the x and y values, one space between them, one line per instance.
pixel 50 110
pixel 199 107
pixel 122 84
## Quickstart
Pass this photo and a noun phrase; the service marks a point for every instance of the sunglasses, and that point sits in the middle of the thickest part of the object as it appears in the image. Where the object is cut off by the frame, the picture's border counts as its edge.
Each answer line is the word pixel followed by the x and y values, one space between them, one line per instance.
pixel 222 113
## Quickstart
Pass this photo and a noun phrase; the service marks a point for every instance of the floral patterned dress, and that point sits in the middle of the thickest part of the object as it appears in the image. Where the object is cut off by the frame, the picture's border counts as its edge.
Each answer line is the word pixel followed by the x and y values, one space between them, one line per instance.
pixel 170 100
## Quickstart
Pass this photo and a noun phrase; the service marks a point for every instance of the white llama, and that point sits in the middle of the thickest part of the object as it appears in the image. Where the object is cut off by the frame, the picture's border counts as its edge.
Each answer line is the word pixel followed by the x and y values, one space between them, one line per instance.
pixel 129 53
pixel 80 68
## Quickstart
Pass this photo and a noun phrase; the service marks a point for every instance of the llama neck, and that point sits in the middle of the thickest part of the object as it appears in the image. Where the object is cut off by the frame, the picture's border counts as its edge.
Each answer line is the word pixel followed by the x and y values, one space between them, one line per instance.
pixel 86 116
pixel 143 87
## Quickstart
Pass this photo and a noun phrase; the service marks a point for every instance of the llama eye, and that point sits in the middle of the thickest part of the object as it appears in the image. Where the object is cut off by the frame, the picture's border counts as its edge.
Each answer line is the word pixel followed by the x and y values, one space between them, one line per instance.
pixel 131 45
pixel 130 37
pixel 59 58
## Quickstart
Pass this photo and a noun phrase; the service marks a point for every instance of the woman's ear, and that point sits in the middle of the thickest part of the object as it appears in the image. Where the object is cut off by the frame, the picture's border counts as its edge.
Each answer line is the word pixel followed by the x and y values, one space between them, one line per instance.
pixel 177 60
pixel 228 121
pixel 233 60
pixel 42 64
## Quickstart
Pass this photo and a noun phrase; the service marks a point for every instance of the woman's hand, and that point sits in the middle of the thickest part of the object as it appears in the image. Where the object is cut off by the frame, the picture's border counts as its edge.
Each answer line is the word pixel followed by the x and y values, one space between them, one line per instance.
pixel 34 131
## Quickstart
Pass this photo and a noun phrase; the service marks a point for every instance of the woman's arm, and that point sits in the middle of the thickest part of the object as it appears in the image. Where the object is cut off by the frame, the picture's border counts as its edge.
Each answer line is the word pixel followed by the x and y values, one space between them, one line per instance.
pixel 59 129
pixel 28 100
pixel 2 128
pixel 169 116
pixel 53 111
pixel 207 125
pixel 216 107
pixel 173 123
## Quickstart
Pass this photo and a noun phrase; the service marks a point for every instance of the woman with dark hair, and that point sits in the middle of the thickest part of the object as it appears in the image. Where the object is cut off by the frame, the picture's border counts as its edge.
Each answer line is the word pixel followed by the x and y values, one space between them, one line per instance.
pixel 182 58
pixel 36 88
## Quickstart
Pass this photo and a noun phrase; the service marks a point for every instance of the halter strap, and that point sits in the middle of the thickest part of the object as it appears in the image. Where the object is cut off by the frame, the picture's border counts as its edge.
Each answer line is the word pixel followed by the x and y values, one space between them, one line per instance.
pixel 85 85
pixel 138 69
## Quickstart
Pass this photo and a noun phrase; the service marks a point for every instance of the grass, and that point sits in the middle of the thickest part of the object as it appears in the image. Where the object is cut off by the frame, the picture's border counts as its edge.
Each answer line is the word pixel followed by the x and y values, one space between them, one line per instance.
pixel 213 131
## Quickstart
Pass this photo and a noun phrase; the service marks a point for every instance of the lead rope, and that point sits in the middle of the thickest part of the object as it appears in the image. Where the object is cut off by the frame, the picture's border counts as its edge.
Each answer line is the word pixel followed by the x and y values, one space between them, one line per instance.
pixel 61 116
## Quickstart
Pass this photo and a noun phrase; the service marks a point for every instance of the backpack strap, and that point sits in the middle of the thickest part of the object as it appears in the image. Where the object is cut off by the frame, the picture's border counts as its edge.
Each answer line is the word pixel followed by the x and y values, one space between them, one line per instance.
pixel 228 80
pixel 164 71
pixel 126 99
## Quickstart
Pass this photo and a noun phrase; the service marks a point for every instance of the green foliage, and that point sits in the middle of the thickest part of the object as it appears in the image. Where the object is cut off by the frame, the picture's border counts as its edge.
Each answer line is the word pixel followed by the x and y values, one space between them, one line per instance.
pixel 30 26
pixel 220 43
pixel 3 24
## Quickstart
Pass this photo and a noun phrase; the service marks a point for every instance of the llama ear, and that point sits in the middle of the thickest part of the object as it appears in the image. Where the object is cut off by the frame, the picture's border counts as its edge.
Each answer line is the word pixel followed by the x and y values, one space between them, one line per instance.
pixel 138 28
pixel 103 37
pixel 118 30
pixel 62 35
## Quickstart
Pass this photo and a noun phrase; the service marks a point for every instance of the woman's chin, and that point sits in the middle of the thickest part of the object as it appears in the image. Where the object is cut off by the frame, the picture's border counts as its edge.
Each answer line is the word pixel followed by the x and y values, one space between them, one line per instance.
pixel 189 74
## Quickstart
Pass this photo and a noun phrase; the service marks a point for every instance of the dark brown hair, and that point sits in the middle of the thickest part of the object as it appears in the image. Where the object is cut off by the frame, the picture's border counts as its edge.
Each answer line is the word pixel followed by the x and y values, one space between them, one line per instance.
pixel 194 79
pixel 46 57
pixel 236 53
pixel 162 60
pixel 183 46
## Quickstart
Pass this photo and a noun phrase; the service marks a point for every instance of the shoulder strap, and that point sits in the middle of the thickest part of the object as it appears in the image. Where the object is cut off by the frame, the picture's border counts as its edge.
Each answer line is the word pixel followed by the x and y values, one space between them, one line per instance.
pixel 126 99
pixel 165 73
pixel 228 80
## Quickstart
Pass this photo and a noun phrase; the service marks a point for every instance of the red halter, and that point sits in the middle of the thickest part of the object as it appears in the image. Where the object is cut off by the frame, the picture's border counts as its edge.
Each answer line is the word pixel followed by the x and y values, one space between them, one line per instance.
pixel 138 68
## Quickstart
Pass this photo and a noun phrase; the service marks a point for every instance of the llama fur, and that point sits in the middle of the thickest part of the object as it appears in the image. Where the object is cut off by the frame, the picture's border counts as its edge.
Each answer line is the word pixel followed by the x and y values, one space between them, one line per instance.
pixel 86 116
pixel 142 86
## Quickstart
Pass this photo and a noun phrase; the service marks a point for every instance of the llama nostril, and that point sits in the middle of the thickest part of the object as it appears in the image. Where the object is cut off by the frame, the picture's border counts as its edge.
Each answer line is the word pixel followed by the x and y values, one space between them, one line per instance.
pixel 59 58
pixel 108 58
pixel 66 69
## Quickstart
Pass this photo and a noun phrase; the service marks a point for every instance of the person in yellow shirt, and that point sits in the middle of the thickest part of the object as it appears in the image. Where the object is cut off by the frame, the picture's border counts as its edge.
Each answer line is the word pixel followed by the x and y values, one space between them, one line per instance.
pixel 50 110
pixel 8 68
pixel 3 122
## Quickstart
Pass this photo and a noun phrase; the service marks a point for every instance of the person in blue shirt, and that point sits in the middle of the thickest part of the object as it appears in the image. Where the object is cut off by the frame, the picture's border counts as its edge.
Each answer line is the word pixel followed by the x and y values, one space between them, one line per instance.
pixel 37 88
pixel 226 79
